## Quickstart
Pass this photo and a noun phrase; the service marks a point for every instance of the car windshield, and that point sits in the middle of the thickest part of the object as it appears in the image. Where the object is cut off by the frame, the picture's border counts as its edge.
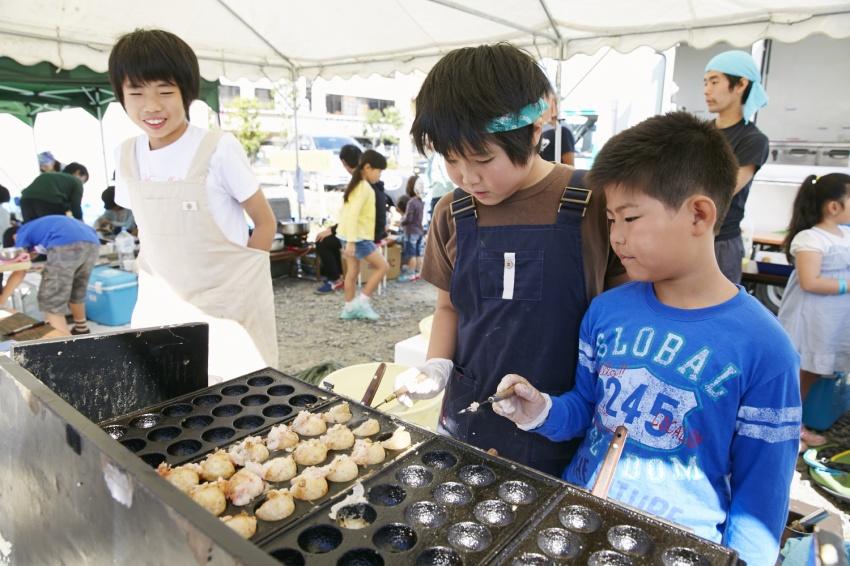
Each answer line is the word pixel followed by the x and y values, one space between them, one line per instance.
pixel 333 142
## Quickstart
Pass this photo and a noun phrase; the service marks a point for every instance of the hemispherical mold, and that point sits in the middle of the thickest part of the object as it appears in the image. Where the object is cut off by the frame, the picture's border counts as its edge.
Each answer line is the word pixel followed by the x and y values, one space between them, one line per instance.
pixel 629 540
pixel 517 492
pixel 148 420
pixel 452 493
pixel 531 559
pixel 280 390
pixel 185 447
pixel 303 400
pixel 559 543
pixel 260 381
pixel 608 558
pixel 153 459
pixel 494 512
pixel 395 537
pixel 134 444
pixel 249 422
pixel 439 459
pixel 254 400
pixel 218 435
pixel 226 410
pixel 683 556
pixel 579 519
pixel 177 410
pixel 387 495
pixel 234 390
pixel 288 557
pixel 164 434
pixel 115 431
pixel 414 476
pixel 197 421
pixel 477 475
pixel 356 516
pixel 426 514
pixel 439 556
pixel 469 536
pixel 277 411
pixel 207 400
pixel 360 557
pixel 320 539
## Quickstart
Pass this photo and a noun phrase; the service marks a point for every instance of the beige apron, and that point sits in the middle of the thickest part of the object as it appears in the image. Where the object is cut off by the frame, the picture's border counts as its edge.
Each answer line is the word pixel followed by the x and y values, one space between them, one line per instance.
pixel 190 272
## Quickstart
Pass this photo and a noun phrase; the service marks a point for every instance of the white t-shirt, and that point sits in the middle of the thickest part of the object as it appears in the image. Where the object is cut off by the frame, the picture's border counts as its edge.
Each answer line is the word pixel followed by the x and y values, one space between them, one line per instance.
pixel 229 183
pixel 818 240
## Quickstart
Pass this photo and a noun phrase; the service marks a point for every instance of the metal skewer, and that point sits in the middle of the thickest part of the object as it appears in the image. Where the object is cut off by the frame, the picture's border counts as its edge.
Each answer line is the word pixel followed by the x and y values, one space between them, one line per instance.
pixel 499 396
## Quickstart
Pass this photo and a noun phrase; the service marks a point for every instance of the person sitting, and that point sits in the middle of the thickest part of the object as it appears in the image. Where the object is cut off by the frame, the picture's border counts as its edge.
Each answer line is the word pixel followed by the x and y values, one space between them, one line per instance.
pixel 72 249
pixel 114 217
pixel 55 193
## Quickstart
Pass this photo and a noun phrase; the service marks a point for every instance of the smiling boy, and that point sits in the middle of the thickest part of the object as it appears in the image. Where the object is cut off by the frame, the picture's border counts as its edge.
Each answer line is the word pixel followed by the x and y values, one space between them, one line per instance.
pixel 700 373
pixel 189 190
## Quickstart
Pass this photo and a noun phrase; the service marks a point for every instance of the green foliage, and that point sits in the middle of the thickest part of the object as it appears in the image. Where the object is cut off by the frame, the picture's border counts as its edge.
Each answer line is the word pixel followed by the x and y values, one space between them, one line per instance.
pixel 380 125
pixel 246 111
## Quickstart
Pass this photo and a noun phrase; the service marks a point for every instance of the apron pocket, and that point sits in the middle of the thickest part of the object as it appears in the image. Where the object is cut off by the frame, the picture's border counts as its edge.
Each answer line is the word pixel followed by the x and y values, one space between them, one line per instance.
pixel 516 276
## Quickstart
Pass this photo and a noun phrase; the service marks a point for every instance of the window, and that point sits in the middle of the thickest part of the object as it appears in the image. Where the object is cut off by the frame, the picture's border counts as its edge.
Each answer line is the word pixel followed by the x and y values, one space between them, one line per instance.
pixel 226 93
pixel 333 103
pixel 378 104
pixel 264 96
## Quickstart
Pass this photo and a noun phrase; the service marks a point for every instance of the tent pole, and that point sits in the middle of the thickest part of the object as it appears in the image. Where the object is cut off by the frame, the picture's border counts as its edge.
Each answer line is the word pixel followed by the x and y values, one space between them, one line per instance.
pixel 298 181
pixel 102 139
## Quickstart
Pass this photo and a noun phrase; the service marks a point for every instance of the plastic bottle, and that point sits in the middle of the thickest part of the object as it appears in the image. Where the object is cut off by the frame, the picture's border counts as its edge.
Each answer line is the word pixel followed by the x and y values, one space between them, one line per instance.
pixel 125 245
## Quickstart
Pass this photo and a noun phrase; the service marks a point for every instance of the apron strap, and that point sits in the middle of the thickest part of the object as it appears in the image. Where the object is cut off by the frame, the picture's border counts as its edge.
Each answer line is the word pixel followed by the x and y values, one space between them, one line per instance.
pixel 128 165
pixel 201 163
pixel 463 205
pixel 576 197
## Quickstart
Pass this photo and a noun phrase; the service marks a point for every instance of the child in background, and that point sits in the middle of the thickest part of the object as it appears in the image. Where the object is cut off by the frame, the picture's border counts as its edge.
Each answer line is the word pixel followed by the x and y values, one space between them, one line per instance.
pixel 114 216
pixel 701 374
pixel 414 234
pixel 356 231
pixel 815 307
pixel 189 190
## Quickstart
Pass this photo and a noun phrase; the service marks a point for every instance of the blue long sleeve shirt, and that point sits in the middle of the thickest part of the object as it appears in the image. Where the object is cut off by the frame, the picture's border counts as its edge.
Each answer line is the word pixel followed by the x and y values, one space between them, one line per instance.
pixel 712 403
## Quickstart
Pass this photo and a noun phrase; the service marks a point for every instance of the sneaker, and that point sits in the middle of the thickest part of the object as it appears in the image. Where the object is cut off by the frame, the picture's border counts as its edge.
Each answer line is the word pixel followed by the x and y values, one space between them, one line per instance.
pixel 324 288
pixel 405 277
pixel 366 311
pixel 350 311
pixel 339 284
pixel 811 438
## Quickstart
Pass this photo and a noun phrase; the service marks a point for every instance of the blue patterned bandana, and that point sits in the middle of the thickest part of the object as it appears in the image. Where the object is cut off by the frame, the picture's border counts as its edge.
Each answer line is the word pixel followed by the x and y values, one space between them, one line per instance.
pixel 526 115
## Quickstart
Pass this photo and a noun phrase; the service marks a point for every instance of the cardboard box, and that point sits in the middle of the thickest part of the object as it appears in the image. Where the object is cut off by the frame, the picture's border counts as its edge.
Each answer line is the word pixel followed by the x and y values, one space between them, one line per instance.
pixel 393 258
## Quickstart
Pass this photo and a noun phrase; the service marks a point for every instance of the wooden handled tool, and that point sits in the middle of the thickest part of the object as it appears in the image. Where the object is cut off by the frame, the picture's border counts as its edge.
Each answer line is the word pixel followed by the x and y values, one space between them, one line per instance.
pixel 369 395
pixel 609 464
pixel 499 396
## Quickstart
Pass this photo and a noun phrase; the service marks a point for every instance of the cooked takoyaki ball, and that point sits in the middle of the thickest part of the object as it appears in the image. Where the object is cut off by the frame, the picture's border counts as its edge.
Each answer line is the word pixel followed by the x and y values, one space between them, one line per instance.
pixel 338 437
pixel 368 428
pixel 279 469
pixel 217 465
pixel 281 437
pixel 309 484
pixel 310 452
pixel 398 441
pixel 367 453
pixel 244 486
pixel 210 496
pixel 243 523
pixel 277 506
pixel 338 413
pixel 183 477
pixel 252 449
pixel 342 469
pixel 308 424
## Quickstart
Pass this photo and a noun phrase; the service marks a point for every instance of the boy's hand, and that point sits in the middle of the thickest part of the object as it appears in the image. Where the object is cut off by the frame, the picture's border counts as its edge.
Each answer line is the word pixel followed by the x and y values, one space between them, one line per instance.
pixel 527 406
pixel 425 382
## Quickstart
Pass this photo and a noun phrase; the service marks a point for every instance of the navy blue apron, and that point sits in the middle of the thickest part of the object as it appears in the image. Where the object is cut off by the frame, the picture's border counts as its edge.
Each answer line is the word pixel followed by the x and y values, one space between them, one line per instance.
pixel 519 292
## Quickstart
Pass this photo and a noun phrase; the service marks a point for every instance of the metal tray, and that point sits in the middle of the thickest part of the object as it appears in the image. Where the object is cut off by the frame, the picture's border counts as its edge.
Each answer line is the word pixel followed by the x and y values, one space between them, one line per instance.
pixel 181 429
pixel 443 503
pixel 581 528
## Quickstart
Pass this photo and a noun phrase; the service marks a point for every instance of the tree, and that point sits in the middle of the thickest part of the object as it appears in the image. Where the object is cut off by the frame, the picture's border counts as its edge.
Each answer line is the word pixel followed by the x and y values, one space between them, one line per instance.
pixel 380 124
pixel 246 112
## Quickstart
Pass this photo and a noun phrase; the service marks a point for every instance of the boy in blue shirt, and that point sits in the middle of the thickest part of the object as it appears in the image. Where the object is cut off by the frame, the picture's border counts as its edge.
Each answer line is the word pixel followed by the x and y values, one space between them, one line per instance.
pixel 703 377
pixel 72 249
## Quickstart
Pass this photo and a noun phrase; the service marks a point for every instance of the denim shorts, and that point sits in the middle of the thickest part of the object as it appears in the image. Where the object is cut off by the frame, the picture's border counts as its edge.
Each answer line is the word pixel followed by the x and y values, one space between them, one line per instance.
pixel 362 248
pixel 413 246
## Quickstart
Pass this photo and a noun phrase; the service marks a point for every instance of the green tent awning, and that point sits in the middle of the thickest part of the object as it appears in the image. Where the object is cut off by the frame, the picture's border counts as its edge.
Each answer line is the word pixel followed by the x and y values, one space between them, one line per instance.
pixel 26 90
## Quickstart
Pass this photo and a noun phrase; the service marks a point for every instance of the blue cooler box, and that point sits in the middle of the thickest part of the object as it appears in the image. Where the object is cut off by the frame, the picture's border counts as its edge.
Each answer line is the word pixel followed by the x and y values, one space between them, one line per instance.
pixel 111 296
pixel 828 399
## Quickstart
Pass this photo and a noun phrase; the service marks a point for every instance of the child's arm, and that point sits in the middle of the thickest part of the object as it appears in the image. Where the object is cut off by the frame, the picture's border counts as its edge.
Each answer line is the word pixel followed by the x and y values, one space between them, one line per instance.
pixel 808 265
pixel 11 284
pixel 443 328
pixel 265 225
pixel 763 455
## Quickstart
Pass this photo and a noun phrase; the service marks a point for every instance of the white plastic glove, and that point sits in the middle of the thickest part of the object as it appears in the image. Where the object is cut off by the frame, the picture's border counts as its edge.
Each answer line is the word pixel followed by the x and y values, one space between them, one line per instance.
pixel 528 407
pixel 424 382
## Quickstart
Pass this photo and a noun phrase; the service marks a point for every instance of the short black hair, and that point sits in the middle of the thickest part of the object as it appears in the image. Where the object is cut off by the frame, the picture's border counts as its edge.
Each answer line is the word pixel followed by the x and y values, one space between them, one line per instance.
pixel 108 198
pixel 5 196
pixel 148 55
pixel 467 89
pixel 75 168
pixel 350 154
pixel 733 82
pixel 670 158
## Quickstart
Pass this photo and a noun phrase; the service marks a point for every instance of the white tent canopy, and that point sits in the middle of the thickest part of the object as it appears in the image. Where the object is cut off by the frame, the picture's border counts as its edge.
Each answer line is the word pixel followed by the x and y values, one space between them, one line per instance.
pixel 281 38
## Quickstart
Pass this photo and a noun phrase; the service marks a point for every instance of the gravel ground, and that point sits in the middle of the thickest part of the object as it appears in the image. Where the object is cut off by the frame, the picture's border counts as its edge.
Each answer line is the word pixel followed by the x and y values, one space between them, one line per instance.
pixel 310 331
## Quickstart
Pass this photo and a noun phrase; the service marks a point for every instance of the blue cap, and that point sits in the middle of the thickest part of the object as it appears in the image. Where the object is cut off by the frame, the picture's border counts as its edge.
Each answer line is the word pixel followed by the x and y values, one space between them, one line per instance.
pixel 46 158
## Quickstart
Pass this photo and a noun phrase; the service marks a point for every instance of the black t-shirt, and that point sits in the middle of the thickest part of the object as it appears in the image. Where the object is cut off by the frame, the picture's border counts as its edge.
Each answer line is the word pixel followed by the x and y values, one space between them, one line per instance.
pixel 383 202
pixel 547 143
pixel 750 147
